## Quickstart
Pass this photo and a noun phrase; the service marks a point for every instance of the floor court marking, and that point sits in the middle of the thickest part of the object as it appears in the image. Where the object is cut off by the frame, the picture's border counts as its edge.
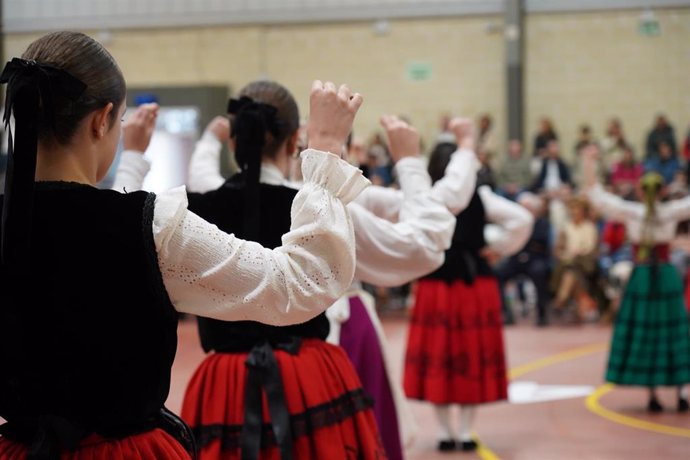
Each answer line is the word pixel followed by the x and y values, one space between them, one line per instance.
pixel 484 452
pixel 575 353
pixel 487 454
pixel 592 403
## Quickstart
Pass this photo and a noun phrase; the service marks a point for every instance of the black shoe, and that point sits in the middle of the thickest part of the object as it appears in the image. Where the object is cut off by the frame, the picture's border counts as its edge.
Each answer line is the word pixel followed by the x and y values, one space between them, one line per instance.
pixel 541 322
pixel 654 406
pixel 468 446
pixel 683 405
pixel 447 445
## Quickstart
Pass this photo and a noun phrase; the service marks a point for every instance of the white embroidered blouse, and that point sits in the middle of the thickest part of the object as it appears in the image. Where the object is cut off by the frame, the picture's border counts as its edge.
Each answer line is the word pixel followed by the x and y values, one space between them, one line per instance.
pixel 632 214
pixel 391 250
pixel 210 273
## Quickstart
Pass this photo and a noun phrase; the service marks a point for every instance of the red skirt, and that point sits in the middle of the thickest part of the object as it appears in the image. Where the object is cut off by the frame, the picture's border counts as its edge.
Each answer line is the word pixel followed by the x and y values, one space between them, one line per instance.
pixel 455 344
pixel 330 416
pixel 152 445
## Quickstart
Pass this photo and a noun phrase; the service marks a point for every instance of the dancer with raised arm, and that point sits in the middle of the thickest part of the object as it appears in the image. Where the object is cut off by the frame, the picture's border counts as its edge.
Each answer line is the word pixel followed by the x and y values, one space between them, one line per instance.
pixel 86 352
pixel 314 401
pixel 408 240
pixel 455 346
pixel 651 337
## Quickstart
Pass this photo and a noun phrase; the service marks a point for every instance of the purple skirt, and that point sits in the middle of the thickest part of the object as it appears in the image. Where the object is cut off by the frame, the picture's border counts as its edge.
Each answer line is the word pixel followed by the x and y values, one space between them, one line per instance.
pixel 361 343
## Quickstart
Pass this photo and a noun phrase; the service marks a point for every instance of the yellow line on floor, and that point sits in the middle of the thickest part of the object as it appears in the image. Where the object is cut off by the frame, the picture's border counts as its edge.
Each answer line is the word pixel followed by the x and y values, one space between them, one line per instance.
pixel 484 452
pixel 592 403
pixel 487 454
pixel 556 359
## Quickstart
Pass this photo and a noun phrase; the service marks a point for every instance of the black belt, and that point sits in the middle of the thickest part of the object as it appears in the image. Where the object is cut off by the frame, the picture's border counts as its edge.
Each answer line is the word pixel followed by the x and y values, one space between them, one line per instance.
pixel 264 373
pixel 48 435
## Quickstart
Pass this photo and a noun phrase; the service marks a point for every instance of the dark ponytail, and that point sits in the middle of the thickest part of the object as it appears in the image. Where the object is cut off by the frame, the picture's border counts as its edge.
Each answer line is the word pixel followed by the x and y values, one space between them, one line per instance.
pixel 61 78
pixel 262 119
pixel 439 159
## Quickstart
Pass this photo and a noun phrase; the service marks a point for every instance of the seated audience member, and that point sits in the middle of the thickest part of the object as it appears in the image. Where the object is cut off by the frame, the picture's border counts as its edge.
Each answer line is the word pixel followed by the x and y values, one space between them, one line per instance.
pixel 613 143
pixel 514 175
pixel 576 170
pixel 554 173
pixel 576 266
pixel 554 181
pixel 678 188
pixel 661 133
pixel 546 134
pixel 584 138
pixel 665 162
pixel 626 173
pixel 532 262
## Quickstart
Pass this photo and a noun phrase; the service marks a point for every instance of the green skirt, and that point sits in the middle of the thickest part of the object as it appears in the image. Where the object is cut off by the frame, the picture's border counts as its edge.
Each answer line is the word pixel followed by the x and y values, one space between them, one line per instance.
pixel 651 337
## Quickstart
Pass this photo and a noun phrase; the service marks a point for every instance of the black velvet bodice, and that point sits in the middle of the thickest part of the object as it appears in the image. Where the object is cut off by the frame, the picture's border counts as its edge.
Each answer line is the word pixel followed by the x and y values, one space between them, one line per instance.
pixel 90 334
pixel 463 261
pixel 225 208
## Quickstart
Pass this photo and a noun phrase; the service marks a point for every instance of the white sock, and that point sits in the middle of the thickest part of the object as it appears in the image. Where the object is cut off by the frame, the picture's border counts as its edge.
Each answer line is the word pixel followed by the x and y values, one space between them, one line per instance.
pixel 683 392
pixel 443 417
pixel 467 416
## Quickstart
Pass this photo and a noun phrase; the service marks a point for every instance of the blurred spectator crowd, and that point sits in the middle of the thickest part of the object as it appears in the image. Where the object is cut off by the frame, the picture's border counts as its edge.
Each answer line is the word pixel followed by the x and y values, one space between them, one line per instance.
pixel 575 264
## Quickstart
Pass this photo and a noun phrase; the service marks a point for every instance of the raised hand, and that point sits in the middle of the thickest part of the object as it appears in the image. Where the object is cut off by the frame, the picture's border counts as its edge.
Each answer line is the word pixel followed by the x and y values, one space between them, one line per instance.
pixel 403 139
pixel 331 113
pixel 465 132
pixel 138 128
pixel 220 128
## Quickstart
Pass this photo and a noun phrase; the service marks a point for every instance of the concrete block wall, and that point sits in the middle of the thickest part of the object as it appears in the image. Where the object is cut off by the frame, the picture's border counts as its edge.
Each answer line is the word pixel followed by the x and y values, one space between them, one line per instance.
pixel 580 67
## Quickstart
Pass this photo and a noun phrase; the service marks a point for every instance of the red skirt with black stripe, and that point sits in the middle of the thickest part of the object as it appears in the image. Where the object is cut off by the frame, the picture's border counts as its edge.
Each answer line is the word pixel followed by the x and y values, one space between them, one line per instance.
pixel 455 345
pixel 330 416
pixel 152 445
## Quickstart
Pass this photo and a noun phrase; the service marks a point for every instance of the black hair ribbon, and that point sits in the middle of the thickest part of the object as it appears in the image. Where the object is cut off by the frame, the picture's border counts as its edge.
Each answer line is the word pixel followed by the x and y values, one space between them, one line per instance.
pixel 251 123
pixel 31 93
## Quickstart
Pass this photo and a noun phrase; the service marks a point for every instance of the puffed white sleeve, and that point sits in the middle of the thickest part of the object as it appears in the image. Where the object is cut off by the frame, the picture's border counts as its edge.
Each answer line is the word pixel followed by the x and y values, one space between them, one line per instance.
pixel 613 206
pixel 210 273
pixel 678 210
pixel 383 202
pixel 515 220
pixel 456 187
pixel 131 171
pixel 393 253
pixel 204 166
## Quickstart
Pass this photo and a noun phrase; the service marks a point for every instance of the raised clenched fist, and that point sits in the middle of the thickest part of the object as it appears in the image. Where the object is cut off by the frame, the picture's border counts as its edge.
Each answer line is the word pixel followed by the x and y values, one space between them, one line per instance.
pixel 331 113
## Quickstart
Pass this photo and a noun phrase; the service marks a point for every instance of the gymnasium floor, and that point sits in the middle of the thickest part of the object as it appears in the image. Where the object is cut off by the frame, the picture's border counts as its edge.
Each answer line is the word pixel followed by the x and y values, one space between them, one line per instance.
pixel 554 362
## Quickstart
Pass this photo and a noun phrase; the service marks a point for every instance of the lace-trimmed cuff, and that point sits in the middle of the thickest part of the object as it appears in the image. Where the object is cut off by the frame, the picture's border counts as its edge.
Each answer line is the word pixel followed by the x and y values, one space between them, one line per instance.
pixel 340 178
pixel 170 209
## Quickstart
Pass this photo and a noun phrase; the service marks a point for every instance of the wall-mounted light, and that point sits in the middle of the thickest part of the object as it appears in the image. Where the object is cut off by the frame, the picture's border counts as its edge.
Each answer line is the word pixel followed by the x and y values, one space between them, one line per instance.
pixel 381 27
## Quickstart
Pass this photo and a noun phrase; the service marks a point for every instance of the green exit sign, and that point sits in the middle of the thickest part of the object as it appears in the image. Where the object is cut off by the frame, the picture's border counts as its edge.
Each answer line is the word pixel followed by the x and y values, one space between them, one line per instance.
pixel 419 71
pixel 650 28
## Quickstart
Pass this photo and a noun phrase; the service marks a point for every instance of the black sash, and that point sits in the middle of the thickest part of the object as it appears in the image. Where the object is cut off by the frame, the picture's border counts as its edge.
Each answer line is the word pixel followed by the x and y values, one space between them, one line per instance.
pixel 264 373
